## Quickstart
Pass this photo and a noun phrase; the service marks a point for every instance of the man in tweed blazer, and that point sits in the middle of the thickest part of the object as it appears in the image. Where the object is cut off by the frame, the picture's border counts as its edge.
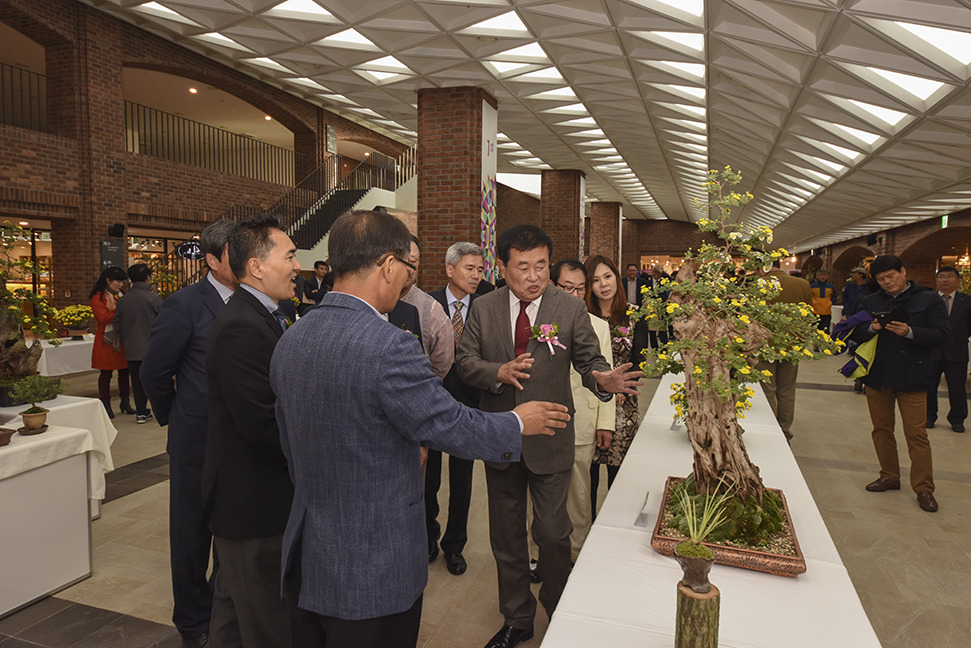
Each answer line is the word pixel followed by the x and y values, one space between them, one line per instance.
pixel 356 397
pixel 500 356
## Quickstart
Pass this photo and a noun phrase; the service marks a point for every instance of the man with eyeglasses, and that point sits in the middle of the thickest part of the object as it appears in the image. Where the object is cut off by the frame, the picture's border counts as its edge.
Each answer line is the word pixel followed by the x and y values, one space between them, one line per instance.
pixel 594 419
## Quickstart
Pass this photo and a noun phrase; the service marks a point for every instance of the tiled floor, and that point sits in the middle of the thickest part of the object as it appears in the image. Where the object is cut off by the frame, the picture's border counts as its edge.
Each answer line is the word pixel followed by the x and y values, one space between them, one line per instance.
pixel 911 569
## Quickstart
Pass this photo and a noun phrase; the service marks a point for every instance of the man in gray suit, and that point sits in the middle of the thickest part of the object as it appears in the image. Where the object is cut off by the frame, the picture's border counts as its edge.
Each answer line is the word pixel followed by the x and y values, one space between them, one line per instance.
pixel 502 355
pixel 356 397
pixel 134 315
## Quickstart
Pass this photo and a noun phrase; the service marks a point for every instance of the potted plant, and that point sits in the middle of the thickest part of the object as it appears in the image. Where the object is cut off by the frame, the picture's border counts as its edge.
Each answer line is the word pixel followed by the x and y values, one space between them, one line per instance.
pixel 18 360
pixel 724 327
pixel 76 319
pixel 35 389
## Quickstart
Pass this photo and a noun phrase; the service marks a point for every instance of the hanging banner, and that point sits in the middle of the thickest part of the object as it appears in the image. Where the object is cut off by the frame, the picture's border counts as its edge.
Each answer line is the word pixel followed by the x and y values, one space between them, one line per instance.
pixel 583 212
pixel 490 126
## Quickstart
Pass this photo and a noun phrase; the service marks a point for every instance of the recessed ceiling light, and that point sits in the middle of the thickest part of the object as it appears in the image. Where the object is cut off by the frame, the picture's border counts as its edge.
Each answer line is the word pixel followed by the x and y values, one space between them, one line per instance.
pixel 24 223
pixel 267 118
pixel 193 91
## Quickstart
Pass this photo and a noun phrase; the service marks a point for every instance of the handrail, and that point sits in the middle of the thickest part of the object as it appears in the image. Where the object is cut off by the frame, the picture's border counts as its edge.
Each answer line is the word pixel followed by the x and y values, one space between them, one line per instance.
pixel 23 98
pixel 153 132
pixel 406 166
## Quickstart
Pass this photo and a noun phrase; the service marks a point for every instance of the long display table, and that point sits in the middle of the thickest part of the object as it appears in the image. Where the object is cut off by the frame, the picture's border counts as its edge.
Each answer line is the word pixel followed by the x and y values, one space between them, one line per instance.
pixel 622 592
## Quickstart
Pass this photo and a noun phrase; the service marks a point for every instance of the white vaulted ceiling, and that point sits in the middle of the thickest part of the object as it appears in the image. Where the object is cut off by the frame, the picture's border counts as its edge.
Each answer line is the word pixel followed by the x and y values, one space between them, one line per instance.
pixel 845 116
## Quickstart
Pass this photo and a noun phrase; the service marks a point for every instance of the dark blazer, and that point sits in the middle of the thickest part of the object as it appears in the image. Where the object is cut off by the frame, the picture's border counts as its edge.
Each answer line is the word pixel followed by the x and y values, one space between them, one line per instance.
pixel 637 297
pixel 463 393
pixel 405 316
pixel 956 348
pixel 356 398
pixel 487 344
pixel 311 288
pixel 176 356
pixel 134 315
pixel 245 483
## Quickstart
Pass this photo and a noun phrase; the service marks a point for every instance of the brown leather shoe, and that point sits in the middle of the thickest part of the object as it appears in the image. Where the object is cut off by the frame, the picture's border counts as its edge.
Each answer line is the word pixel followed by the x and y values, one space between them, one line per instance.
pixel 927 502
pixel 882 484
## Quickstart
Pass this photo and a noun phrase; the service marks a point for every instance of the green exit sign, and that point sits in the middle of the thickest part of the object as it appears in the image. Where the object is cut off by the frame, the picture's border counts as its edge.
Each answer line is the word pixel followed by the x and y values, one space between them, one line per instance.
pixel 944 221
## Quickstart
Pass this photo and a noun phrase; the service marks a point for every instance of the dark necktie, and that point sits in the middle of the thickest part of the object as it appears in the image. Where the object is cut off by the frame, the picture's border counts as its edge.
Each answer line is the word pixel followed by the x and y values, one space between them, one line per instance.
pixel 948 300
pixel 458 325
pixel 281 318
pixel 522 329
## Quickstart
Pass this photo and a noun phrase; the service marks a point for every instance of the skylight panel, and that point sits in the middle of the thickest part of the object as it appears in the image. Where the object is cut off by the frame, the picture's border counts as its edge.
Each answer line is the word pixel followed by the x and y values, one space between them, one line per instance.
pixel 556 93
pixel 918 86
pixel 507 22
pixel 693 7
pixel 571 108
pixel 811 172
pixel 582 121
pixel 865 136
pixel 154 8
pixel 300 8
pixel 956 44
pixel 697 110
pixel 601 142
pixel 532 51
pixel 691 40
pixel 386 64
pixel 269 63
pixel 224 41
pixel 693 69
pixel 887 115
pixel 348 38
pixel 503 67
pixel 305 81
pixel 546 75
pixel 381 76
pixel 698 137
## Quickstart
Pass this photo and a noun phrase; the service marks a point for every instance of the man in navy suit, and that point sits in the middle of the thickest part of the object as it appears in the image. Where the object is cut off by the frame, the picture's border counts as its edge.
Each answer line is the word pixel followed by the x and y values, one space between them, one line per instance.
pixel 246 485
pixel 954 363
pixel 173 373
pixel 463 265
pixel 356 397
pixel 315 288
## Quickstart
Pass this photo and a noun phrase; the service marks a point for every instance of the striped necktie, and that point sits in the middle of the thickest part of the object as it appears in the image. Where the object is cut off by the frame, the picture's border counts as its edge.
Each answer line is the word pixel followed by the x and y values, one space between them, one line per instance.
pixel 458 324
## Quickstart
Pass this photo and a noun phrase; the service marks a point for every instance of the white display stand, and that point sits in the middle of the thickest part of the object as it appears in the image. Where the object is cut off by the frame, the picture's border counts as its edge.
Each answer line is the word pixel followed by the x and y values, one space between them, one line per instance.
pixel 72 356
pixel 46 528
pixel 622 592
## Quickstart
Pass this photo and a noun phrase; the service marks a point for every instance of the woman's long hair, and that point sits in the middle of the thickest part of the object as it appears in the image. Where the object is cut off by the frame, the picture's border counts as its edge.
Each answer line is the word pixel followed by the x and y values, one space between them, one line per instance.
pixel 111 273
pixel 618 308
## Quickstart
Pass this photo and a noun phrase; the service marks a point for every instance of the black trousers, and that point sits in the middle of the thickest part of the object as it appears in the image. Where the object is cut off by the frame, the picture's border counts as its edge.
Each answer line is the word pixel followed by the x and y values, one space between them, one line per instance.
pixel 189 543
pixel 459 497
pixel 956 375
pixel 141 399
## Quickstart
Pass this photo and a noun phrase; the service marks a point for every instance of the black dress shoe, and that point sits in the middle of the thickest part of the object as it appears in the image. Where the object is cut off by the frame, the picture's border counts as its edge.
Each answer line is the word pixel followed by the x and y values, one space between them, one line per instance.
pixel 930 424
pixel 202 641
pixel 455 563
pixel 432 553
pixel 509 637
pixel 882 484
pixel 925 499
pixel 957 427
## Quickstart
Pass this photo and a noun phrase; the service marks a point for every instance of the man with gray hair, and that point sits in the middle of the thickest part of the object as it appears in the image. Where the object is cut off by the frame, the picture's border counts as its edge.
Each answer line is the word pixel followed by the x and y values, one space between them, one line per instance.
pixel 173 373
pixel 463 265
pixel 436 331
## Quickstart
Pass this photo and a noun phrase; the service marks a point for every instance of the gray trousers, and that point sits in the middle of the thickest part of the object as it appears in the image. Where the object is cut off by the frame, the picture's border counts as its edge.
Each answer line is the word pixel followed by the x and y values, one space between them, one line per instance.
pixel 247 609
pixel 507 530
pixel 780 391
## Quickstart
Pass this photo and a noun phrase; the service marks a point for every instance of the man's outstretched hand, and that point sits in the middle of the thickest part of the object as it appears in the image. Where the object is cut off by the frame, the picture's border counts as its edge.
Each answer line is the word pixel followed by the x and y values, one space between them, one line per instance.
pixel 619 380
pixel 515 370
pixel 540 417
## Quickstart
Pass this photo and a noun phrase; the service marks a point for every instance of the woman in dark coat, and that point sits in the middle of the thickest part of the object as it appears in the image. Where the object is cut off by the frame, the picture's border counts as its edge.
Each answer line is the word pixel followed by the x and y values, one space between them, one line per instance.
pixel 104 356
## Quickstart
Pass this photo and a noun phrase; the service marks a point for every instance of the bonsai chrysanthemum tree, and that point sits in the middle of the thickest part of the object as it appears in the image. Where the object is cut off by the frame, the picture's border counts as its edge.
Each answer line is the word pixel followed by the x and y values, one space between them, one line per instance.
pixel 724 326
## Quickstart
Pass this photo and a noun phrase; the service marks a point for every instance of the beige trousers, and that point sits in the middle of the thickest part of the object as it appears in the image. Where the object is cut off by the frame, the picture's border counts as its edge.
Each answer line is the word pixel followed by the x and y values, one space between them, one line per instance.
pixel 780 391
pixel 913 413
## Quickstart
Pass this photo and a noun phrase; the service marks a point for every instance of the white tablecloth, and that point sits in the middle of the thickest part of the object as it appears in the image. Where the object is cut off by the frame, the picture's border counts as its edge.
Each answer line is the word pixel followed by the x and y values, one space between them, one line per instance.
pixel 58 442
pixel 78 412
pixel 622 592
pixel 73 356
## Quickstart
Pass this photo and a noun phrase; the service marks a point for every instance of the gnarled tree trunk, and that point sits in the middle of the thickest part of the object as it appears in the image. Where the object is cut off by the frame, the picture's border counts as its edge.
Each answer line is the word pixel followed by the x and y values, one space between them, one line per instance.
pixel 712 423
pixel 16 358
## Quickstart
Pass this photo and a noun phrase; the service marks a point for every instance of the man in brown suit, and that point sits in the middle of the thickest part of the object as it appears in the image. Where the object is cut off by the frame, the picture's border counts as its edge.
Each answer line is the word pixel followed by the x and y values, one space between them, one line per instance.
pixel 780 391
pixel 500 356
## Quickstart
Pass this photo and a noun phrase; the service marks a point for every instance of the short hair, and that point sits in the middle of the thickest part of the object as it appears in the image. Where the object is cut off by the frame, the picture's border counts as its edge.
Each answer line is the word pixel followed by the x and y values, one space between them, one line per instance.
pixel 885 262
pixel 359 240
pixel 250 239
pixel 414 239
pixel 951 269
pixel 822 271
pixel 522 238
pixel 777 264
pixel 630 265
pixel 215 236
pixel 568 264
pixel 139 272
pixel 317 264
pixel 460 249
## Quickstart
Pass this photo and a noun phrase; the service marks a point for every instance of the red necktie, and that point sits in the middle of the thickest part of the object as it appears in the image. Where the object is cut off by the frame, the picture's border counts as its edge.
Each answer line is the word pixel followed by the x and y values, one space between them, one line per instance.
pixel 522 329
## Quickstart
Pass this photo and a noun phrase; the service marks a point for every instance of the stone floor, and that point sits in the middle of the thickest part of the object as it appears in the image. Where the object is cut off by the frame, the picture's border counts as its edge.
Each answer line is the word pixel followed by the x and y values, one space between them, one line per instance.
pixel 911 569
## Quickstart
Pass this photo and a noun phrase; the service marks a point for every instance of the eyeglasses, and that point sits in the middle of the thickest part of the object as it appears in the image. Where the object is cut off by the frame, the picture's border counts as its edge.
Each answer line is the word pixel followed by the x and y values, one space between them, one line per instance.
pixel 413 267
pixel 576 290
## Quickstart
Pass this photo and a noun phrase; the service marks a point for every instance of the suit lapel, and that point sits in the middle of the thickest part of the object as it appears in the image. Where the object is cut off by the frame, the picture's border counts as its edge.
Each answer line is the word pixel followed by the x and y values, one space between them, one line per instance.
pixel 255 304
pixel 502 324
pixel 546 314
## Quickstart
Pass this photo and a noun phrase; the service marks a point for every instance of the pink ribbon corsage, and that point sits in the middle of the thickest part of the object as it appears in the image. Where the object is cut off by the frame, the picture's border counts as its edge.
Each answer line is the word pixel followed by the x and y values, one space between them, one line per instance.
pixel 623 334
pixel 548 333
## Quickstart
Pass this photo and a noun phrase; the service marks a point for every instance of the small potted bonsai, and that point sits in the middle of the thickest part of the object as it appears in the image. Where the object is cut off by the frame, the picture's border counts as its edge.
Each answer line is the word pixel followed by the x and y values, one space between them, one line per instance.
pixel 35 389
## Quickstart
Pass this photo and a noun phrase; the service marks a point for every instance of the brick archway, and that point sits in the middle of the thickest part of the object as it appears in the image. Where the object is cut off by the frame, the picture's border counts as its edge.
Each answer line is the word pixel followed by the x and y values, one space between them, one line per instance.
pixel 378 144
pixel 849 259
pixel 811 265
pixel 922 256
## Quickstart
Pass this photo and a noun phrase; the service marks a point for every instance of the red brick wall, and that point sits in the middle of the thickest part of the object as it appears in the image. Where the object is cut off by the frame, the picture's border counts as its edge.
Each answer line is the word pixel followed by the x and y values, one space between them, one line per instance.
pixel 604 232
pixel 449 170
pixel 83 179
pixel 667 237
pixel 514 207
pixel 629 244
pixel 560 211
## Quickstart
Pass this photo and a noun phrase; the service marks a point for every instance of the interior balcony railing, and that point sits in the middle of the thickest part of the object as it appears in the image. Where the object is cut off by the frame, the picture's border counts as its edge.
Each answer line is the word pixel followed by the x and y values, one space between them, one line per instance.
pixel 23 98
pixel 152 132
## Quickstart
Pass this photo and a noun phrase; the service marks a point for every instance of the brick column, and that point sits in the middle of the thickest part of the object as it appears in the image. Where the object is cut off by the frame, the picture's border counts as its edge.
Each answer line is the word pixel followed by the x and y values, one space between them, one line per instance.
pixel 630 248
pixel 561 199
pixel 449 170
pixel 604 232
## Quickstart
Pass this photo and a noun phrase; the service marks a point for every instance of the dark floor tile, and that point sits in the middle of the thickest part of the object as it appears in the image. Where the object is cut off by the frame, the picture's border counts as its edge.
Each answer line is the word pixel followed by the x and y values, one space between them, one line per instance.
pixel 69 626
pixel 36 613
pixel 172 641
pixel 127 632
pixel 117 491
pixel 13 642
